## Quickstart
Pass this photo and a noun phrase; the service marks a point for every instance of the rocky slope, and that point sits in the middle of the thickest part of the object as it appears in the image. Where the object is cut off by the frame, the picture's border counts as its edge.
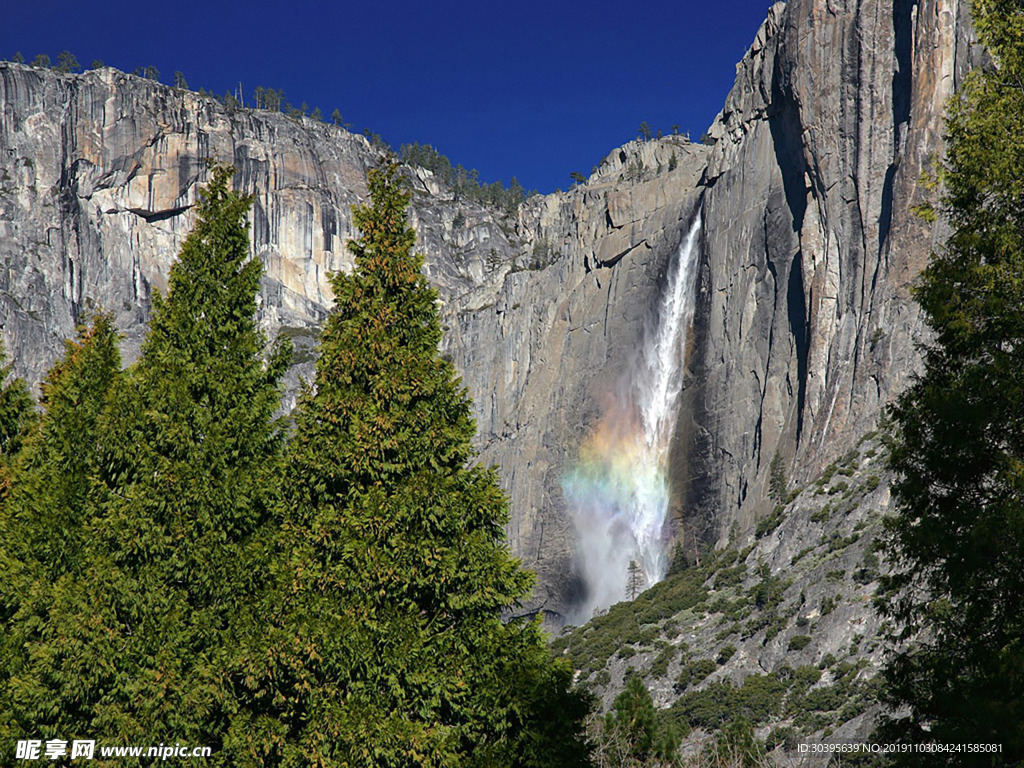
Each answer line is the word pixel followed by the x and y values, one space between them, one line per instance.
pixel 780 627
pixel 804 325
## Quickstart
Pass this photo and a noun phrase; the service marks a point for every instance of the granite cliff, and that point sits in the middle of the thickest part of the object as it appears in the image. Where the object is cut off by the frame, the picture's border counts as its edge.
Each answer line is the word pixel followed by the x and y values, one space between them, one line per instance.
pixel 804 325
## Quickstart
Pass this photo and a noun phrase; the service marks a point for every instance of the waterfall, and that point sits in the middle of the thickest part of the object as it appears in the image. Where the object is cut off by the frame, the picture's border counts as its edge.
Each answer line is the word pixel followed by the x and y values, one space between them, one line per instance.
pixel 618 489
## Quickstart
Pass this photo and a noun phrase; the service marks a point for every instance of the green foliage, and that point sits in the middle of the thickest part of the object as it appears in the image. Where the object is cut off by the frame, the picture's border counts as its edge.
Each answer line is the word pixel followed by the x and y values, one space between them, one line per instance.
pixel 386 645
pixel 757 699
pixel 635 723
pixel 694 673
pixel 659 667
pixel 777 490
pixel 828 604
pixel 822 515
pixel 41 527
pixel 731 576
pixel 645 132
pixel 768 524
pixel 959 439
pixel 50 482
pixel 768 592
pixel 66 62
pixel 16 417
pixel 737 745
pixel 799 642
pixel 725 653
pixel 465 183
pixel 135 640
pixel 149 72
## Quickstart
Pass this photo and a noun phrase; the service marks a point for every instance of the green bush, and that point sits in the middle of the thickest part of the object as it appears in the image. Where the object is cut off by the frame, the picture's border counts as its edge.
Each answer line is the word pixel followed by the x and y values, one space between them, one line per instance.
pixel 725 653
pixel 659 667
pixel 799 642
pixel 771 522
pixel 694 673
pixel 822 514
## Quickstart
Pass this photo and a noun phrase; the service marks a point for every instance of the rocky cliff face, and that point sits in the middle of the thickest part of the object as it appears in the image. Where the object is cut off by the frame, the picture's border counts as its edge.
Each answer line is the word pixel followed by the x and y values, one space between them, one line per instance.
pixel 98 175
pixel 804 327
pixel 807 327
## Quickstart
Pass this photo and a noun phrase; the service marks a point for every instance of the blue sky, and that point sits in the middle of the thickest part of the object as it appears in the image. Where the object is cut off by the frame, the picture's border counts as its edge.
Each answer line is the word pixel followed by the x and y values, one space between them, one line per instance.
pixel 532 89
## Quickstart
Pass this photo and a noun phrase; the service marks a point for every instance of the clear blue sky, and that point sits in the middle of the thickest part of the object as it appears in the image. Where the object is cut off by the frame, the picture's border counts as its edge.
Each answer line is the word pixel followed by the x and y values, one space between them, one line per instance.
pixel 533 89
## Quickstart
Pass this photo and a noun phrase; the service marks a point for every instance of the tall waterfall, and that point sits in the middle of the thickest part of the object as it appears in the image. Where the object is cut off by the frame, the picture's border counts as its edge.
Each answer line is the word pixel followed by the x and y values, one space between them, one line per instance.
pixel 618 489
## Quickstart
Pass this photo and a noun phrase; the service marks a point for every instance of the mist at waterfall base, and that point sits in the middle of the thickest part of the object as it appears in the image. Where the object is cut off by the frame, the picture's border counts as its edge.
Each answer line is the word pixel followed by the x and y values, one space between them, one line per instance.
pixel 618 489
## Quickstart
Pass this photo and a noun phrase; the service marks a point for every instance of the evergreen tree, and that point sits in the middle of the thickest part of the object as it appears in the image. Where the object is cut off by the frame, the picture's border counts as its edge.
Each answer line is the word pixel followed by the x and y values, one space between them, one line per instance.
pixel 388 648
pixel 16 416
pixel 958 540
pixel 134 645
pixel 66 62
pixel 41 522
pixel 634 723
pixel 634 580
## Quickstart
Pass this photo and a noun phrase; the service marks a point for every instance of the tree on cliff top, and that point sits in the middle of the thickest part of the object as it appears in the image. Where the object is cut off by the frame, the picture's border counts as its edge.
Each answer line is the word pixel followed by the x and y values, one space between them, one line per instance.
pixel 388 647
pixel 958 539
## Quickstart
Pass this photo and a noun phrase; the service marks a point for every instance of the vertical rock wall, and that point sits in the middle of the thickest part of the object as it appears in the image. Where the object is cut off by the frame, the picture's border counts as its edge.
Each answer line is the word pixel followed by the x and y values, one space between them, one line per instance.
pixel 804 329
pixel 807 326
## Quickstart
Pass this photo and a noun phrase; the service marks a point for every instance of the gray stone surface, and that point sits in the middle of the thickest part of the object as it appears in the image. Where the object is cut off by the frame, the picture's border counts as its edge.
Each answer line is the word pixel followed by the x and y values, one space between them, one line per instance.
pixel 98 176
pixel 804 326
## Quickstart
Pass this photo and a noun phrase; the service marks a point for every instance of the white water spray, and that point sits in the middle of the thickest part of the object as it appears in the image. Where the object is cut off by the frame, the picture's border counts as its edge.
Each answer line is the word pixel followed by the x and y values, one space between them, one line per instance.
pixel 618 491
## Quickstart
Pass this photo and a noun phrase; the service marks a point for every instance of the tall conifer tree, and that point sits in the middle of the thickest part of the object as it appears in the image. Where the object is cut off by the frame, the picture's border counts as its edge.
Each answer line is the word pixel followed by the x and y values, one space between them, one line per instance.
pixel 134 647
pixel 41 521
pixel 388 648
pixel 958 540
pixel 16 416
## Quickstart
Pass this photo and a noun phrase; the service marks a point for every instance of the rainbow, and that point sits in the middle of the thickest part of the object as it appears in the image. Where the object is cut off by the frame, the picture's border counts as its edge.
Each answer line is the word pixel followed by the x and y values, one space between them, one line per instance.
pixel 617 490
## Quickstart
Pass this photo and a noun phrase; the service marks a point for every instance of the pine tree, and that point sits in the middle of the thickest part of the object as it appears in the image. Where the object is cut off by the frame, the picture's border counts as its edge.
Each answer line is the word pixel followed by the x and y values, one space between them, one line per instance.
pixel 135 643
pixel 66 62
pixel 958 540
pixel 388 648
pixel 633 723
pixel 634 580
pixel 777 489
